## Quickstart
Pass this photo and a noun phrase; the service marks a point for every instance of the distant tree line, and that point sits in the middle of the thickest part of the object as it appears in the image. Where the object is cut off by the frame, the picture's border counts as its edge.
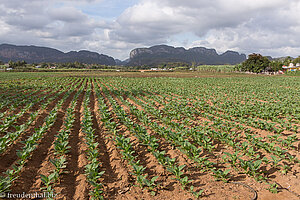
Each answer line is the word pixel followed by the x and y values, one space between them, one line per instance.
pixel 17 64
pixel 164 65
pixel 174 65
pixel 75 64
pixel 257 63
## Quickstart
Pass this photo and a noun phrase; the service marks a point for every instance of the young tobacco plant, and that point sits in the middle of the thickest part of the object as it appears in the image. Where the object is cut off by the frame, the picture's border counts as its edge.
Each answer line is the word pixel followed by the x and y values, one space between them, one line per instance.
pixel 196 194
pixel 221 175
pixel 273 187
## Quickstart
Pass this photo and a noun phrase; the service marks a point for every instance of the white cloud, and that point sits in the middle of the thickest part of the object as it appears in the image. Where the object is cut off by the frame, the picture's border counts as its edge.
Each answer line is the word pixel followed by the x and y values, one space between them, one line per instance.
pixel 66 14
pixel 246 26
pixel 270 27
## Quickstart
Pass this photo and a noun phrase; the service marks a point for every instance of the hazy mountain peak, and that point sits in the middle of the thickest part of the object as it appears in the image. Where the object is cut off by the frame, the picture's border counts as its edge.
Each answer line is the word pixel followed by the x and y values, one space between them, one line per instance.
pixel 163 53
pixel 35 54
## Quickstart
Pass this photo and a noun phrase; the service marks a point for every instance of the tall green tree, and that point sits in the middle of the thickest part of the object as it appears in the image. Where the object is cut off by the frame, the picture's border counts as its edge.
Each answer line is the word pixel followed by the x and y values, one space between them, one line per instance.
pixel 296 60
pixel 276 65
pixel 287 60
pixel 255 63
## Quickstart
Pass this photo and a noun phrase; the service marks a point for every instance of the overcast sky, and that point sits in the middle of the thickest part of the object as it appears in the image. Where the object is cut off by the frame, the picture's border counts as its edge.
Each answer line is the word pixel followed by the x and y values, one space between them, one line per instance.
pixel 114 27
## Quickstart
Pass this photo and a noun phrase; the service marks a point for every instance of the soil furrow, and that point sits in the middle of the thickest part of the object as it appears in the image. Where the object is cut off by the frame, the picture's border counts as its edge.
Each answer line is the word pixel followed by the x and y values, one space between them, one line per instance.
pixel 9 156
pixel 30 173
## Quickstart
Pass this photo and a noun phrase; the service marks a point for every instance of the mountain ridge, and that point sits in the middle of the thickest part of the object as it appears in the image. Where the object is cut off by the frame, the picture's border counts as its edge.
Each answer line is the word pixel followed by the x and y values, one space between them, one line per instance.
pixel 38 54
pixel 150 56
pixel 200 55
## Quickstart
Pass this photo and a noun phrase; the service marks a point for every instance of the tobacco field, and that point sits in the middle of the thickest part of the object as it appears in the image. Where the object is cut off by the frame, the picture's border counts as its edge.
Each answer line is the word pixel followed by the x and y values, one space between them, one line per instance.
pixel 87 136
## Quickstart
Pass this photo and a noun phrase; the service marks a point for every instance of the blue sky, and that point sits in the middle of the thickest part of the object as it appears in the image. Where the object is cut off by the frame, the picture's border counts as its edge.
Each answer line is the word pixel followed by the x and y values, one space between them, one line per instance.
pixel 115 27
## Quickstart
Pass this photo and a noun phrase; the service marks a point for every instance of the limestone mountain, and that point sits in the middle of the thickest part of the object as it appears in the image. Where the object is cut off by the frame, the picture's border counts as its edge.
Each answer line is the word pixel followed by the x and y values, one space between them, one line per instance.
pixel 35 54
pixel 199 55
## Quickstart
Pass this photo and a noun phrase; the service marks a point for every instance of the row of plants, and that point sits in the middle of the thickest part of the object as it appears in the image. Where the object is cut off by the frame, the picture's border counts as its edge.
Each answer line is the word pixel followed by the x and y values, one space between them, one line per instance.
pixel 124 144
pixel 28 101
pixel 93 168
pixel 251 166
pixel 187 113
pixel 213 90
pixel 61 149
pixel 231 139
pixel 30 144
pixel 25 91
pixel 12 136
pixel 153 146
pixel 11 102
pixel 202 107
pixel 25 101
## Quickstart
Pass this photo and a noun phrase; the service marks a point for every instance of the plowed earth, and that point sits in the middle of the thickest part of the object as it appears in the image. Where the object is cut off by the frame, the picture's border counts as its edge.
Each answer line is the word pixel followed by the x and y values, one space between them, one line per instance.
pixel 118 180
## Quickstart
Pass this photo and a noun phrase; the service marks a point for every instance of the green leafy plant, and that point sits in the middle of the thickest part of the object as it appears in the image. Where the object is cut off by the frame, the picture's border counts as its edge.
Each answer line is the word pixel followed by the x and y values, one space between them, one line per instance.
pixel 196 194
pixel 273 187
pixel 221 175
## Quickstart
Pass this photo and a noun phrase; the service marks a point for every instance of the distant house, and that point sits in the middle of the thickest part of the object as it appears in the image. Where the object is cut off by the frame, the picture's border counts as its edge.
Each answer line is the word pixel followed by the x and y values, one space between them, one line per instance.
pixel 291 67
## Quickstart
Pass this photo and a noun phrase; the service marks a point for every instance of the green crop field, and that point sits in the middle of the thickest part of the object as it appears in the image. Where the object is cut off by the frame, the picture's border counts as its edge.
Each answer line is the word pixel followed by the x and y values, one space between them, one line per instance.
pixel 109 135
